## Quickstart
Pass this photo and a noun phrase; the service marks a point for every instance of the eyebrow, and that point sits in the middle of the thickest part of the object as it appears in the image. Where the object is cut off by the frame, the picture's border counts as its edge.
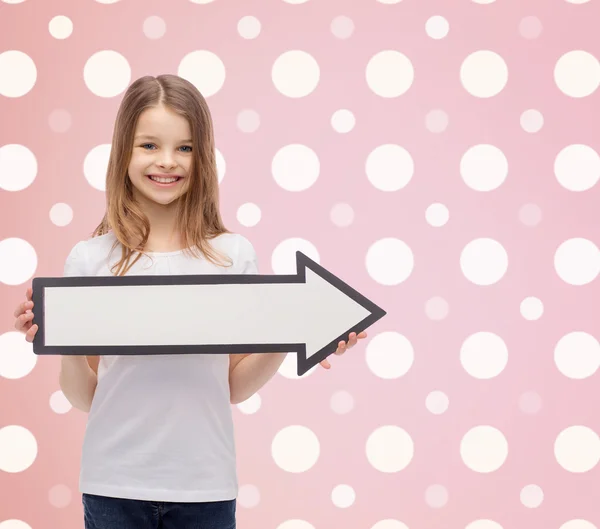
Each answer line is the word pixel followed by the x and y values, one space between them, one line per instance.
pixel 148 137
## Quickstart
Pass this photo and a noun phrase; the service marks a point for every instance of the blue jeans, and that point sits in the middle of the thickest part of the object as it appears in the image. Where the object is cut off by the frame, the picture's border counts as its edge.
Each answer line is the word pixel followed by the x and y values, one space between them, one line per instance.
pixel 115 513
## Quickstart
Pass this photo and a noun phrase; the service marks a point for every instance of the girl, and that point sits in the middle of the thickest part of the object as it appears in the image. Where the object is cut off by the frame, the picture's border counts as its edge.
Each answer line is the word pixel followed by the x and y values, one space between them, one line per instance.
pixel 159 444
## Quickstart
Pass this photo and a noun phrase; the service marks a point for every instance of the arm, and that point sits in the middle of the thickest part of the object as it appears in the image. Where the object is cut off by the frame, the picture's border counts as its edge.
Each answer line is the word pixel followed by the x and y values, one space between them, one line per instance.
pixel 248 373
pixel 78 379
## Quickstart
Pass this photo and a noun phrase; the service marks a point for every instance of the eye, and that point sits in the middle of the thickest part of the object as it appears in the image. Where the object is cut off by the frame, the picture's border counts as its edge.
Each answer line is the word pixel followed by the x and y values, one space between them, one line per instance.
pixel 187 147
pixel 144 145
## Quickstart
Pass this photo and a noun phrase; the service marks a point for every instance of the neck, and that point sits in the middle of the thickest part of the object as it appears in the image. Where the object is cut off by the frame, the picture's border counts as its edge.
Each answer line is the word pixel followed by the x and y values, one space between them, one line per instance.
pixel 164 236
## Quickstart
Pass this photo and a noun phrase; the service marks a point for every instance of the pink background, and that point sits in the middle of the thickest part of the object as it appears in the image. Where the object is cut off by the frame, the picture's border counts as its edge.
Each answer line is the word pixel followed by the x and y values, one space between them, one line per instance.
pixel 502 425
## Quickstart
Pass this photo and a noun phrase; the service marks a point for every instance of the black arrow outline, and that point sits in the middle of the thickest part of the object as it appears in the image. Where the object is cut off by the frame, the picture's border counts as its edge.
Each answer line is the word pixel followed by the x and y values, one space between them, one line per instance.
pixel 302 263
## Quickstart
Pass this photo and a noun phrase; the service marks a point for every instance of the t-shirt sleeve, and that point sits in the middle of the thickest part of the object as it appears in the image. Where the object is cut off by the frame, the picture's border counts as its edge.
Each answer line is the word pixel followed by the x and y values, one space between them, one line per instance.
pixel 247 258
pixel 75 262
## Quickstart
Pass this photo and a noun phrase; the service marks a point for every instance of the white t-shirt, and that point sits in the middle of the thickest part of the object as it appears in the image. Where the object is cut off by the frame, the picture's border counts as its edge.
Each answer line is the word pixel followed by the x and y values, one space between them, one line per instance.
pixel 160 427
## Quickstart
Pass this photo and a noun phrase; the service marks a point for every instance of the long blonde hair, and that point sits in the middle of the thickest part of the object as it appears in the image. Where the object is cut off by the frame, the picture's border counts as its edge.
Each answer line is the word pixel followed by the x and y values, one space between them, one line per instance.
pixel 198 216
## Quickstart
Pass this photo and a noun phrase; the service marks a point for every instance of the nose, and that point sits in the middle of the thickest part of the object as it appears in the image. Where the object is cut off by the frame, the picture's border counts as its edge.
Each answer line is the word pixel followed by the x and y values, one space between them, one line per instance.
pixel 167 160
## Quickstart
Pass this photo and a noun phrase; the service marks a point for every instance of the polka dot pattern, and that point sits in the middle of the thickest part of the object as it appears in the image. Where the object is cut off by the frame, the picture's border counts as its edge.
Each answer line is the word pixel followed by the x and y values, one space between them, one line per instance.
pixel 450 178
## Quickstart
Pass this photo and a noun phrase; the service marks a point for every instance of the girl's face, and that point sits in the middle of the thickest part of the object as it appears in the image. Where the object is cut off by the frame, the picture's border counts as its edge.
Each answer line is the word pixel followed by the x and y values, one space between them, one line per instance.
pixel 162 156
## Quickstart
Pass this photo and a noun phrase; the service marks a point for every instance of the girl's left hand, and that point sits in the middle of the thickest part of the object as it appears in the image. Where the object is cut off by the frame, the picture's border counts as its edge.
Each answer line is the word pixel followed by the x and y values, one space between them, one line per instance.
pixel 343 346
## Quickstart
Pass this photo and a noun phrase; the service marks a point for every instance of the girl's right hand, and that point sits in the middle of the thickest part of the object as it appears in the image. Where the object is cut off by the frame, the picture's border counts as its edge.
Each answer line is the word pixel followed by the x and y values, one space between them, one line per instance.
pixel 24 315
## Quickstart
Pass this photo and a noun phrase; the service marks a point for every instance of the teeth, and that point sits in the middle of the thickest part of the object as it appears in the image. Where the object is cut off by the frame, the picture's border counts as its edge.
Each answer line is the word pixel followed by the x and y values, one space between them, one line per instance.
pixel 163 180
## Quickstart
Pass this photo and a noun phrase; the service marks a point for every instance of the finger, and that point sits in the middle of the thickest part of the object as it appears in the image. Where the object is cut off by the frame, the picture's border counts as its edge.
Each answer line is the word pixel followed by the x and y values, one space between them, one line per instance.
pixel 24 321
pixel 29 294
pixel 22 307
pixel 325 363
pixel 341 348
pixel 353 339
pixel 362 335
pixel 30 335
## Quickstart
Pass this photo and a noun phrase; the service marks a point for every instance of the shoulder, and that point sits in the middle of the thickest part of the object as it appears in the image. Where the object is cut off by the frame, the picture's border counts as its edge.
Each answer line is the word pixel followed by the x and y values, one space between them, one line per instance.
pixel 85 256
pixel 239 249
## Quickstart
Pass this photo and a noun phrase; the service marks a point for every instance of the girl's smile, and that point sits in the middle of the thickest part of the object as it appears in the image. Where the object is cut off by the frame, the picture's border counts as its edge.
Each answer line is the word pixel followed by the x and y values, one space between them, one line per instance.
pixel 165 180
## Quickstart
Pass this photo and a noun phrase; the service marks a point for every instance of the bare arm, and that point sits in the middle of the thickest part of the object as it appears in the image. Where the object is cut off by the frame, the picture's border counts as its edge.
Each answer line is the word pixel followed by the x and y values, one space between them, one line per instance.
pixel 78 379
pixel 248 373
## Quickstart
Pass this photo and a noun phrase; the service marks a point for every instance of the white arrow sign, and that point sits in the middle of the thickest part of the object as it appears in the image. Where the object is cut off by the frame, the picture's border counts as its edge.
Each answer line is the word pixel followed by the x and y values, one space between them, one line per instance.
pixel 308 313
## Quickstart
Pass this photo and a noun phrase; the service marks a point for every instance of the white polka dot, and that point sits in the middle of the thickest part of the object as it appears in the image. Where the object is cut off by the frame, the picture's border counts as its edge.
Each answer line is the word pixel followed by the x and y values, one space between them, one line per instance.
pixel 532 308
pixel 484 167
pixel 18 73
pixel 295 73
pixel 295 167
pixel 249 214
pixel 484 449
pixel 437 308
pixel 17 359
pixel 283 259
pixel 577 2
pixel 13 523
pixel 251 405
pixel 389 73
pixel 577 73
pixel 343 121
pixel 483 1
pixel 389 449
pixel 342 215
pixel 18 261
pixel 204 70
pixel 532 120
pixel 289 368
pixel 59 403
pixel 389 355
pixel 60 120
pixel 389 261
pixel 532 496
pixel 436 121
pixel 530 402
pixel 295 524
pixel 13 1
pixel 107 73
pixel 390 167
pixel 342 402
pixel 295 1
pixel 437 402
pixel 577 355
pixel 484 355
pixel 60 27
pixel 484 74
pixel 342 27
pixel 576 523
pixel 201 2
pixel 95 166
pixel 484 524
pixel 18 167
pixel 389 524
pixel 389 2
pixel 61 214
pixel 154 27
pixel 18 448
pixel 577 167
pixel 248 121
pixel 343 496
pixel 484 261
pixel 577 449
pixel 436 496
pixel 107 1
pixel 577 261
pixel 249 27
pixel 437 215
pixel 221 165
pixel 248 496
pixel 437 27
pixel 60 496
pixel 295 449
